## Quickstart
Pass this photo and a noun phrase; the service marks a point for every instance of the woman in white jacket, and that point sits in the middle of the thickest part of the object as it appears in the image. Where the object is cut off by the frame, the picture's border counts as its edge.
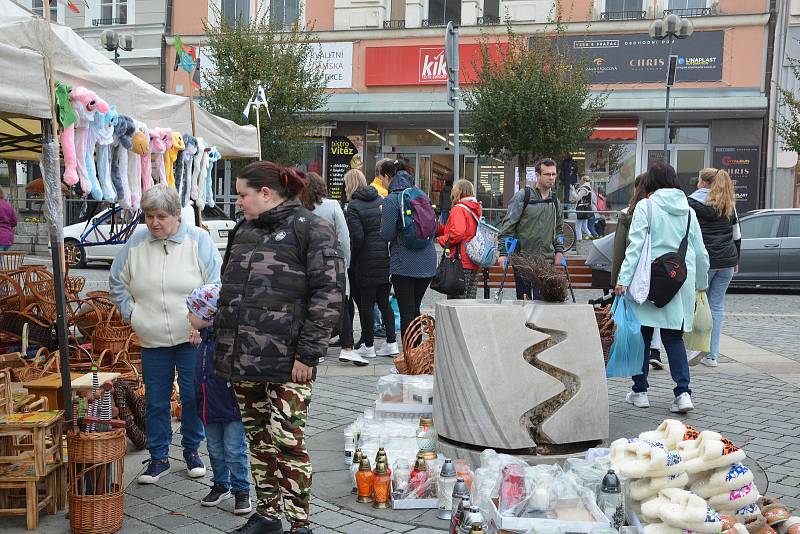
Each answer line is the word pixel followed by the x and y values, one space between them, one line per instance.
pixel 150 279
pixel 664 214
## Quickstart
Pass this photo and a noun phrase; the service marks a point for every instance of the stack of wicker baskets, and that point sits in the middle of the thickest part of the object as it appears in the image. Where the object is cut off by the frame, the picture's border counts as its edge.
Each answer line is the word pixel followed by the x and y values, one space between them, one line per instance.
pixel 419 347
pixel 96 493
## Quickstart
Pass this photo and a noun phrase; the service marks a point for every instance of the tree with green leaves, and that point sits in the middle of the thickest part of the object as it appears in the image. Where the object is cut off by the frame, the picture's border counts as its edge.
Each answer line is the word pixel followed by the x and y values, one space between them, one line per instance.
pixel 789 122
pixel 531 99
pixel 245 53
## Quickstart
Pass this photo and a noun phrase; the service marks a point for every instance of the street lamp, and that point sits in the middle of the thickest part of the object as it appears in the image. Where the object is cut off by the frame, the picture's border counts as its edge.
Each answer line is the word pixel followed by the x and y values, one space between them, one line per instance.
pixel 671 27
pixel 112 42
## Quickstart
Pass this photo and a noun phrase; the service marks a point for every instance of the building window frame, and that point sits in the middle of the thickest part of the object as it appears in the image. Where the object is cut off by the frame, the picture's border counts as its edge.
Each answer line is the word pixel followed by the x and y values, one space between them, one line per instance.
pixel 300 10
pixel 706 9
pixel 54 5
pixel 634 14
pixel 94 14
pixel 429 21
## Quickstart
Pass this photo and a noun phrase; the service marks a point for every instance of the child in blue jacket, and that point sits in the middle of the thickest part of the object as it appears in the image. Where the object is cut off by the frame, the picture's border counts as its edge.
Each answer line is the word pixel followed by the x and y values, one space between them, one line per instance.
pixel 218 409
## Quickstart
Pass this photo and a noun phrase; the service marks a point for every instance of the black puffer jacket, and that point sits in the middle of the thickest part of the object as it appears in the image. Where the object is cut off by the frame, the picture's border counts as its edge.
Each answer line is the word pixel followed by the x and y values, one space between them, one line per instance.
pixel 369 263
pixel 723 251
pixel 282 286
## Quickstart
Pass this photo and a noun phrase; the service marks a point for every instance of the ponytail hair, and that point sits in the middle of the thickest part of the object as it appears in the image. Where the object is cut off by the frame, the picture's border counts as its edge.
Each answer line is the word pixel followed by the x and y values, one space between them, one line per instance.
pixel 286 182
pixel 720 194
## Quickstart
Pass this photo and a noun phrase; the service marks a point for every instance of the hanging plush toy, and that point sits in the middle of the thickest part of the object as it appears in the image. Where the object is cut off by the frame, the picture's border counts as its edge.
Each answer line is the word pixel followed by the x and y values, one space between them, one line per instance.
pixel 197 168
pixel 183 171
pixel 103 128
pixel 207 191
pixel 123 133
pixel 160 142
pixel 67 118
pixel 141 146
pixel 99 127
pixel 85 103
pixel 145 159
pixel 171 156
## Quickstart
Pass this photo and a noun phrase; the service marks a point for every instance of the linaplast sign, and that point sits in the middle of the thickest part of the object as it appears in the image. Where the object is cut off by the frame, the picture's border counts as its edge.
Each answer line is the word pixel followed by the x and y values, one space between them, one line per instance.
pixel 636 58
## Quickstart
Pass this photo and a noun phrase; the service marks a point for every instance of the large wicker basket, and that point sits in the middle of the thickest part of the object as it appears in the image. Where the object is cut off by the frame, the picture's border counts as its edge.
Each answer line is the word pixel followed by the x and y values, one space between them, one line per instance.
pixel 110 336
pixel 96 493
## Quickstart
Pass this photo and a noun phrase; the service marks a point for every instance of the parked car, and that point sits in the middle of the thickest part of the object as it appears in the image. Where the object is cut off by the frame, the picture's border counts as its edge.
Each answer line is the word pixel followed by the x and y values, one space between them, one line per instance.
pixel 101 237
pixel 770 253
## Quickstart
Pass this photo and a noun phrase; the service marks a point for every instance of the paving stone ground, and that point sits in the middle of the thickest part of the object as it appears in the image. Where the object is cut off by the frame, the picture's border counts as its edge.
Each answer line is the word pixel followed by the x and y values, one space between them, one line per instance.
pixel 753 397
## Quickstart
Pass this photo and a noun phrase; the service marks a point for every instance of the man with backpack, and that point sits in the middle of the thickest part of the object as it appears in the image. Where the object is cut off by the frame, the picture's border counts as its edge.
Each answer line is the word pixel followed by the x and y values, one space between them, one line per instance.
pixel 409 225
pixel 535 218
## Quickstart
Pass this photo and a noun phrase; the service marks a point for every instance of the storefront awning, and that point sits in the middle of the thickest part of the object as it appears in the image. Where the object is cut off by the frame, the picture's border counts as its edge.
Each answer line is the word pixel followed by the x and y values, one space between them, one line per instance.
pixel 616 130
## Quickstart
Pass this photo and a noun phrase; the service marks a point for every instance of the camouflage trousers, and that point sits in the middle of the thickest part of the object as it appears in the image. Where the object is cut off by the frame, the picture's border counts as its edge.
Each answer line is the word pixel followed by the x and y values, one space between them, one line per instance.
pixel 274 418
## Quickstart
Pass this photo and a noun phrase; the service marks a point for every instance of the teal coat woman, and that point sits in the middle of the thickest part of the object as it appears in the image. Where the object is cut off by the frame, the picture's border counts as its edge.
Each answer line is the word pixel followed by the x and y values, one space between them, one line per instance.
pixel 669 210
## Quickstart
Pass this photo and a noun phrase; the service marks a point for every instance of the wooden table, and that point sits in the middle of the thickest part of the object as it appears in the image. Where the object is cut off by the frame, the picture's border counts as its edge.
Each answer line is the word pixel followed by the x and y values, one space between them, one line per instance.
pixel 84 382
pixel 50 388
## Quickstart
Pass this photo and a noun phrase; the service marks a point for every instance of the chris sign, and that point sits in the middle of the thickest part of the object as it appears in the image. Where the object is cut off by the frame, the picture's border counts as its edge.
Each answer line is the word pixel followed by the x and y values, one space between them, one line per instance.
pixel 742 163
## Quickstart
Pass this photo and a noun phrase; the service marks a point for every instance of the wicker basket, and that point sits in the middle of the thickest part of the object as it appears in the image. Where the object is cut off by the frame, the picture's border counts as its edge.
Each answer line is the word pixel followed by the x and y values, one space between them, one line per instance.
pixel 419 347
pixel 110 336
pixel 96 493
pixel 606 328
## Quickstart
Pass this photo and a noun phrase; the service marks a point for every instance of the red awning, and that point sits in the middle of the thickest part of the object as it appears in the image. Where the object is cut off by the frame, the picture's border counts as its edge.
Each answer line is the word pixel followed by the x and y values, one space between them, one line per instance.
pixel 616 130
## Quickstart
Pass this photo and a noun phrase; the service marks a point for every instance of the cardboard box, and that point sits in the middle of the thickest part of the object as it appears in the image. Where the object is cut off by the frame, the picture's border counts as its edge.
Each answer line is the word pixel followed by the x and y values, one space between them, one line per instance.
pixel 594 518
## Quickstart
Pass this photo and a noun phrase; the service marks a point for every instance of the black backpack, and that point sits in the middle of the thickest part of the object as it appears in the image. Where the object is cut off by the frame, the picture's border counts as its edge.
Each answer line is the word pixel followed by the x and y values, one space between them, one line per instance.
pixel 668 273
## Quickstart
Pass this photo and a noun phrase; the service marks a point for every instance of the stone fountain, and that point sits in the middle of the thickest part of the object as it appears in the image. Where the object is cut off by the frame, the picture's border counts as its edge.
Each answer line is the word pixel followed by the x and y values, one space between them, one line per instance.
pixel 521 377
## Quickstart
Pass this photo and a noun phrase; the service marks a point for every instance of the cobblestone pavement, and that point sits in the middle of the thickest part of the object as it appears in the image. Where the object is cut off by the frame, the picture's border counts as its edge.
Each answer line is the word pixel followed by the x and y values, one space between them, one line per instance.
pixel 753 397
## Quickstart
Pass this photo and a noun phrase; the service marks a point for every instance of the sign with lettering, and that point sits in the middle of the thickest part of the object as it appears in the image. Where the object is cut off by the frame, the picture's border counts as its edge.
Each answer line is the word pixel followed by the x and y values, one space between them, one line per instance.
pixel 336 62
pixel 344 153
pixel 420 65
pixel 742 163
pixel 634 58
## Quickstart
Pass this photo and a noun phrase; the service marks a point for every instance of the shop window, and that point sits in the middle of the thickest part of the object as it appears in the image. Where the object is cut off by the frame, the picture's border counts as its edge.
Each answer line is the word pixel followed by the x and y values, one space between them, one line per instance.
pixel 687 135
pixel 113 12
pixel 235 12
pixel 284 12
pixel 37 7
pixel 413 137
pixel 612 169
pixel 313 154
pixel 440 12
pixel 491 173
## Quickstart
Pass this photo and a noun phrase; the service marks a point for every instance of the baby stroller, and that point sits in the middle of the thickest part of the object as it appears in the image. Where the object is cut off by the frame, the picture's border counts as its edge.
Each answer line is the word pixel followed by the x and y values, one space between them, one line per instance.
pixel 599 260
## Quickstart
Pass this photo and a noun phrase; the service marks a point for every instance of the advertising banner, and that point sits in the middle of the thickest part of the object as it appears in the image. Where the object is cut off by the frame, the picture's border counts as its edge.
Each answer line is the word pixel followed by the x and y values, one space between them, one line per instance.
pixel 635 58
pixel 742 163
pixel 336 62
pixel 344 153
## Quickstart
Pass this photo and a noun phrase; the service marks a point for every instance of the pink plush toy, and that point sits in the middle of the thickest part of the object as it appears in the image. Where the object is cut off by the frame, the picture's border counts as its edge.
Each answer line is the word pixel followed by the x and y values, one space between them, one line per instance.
pixel 146 162
pixel 160 142
pixel 85 103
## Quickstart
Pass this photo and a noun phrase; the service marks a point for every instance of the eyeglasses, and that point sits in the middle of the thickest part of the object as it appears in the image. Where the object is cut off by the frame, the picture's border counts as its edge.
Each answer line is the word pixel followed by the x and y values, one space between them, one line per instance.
pixel 549 173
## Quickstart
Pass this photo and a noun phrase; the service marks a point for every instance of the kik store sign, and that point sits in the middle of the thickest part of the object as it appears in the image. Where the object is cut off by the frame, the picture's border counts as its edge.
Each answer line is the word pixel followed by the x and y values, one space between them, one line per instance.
pixel 635 58
pixel 419 65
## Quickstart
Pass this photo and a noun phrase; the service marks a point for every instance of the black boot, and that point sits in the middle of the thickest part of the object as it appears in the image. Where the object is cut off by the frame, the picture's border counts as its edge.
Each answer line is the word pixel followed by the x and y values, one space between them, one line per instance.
pixel 258 524
pixel 655 359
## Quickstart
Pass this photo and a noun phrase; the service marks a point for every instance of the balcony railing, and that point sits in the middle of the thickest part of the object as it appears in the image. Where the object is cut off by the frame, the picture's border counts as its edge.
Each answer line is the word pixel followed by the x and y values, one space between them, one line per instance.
pixel 109 21
pixel 435 23
pixel 623 15
pixel 394 24
pixel 488 20
pixel 690 12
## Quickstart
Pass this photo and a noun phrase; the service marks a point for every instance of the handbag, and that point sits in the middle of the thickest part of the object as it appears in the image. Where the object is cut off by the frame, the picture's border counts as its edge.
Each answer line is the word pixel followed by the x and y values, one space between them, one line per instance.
pixel 627 351
pixel 640 285
pixel 668 272
pixel 449 278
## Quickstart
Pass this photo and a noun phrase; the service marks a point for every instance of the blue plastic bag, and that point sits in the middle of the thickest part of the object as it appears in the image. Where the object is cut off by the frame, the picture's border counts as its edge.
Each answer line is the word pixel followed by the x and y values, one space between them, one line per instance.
pixel 627 350
pixel 396 308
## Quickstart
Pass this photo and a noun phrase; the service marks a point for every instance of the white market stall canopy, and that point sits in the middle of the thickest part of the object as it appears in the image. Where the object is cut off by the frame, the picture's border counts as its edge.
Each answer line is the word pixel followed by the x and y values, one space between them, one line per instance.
pixel 24 93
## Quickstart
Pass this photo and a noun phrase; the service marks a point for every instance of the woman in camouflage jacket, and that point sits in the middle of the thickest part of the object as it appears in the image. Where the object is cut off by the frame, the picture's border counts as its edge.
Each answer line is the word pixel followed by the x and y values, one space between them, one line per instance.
pixel 282 286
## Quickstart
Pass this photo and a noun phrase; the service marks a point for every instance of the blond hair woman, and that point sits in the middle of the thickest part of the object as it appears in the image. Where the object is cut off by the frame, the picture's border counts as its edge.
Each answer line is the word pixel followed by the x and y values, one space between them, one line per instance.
pixel 460 229
pixel 715 206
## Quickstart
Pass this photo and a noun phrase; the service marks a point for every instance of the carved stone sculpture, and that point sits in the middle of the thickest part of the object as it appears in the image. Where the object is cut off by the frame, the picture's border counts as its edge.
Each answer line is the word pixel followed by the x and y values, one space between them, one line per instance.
pixel 522 376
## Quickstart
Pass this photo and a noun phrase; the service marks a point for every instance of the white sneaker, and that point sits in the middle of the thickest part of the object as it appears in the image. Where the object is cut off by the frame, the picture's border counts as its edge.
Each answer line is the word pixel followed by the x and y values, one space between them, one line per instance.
pixel 682 404
pixel 389 349
pixel 709 362
pixel 365 351
pixel 352 357
pixel 639 400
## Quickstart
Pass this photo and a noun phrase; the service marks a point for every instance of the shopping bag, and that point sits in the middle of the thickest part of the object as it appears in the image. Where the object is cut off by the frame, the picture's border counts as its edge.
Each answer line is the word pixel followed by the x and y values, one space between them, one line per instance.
pixel 700 336
pixel 627 350
pixel 640 284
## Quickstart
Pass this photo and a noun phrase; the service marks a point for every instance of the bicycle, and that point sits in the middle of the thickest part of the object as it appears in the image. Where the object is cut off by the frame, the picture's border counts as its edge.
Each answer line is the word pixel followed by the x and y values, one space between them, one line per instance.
pixel 568 236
